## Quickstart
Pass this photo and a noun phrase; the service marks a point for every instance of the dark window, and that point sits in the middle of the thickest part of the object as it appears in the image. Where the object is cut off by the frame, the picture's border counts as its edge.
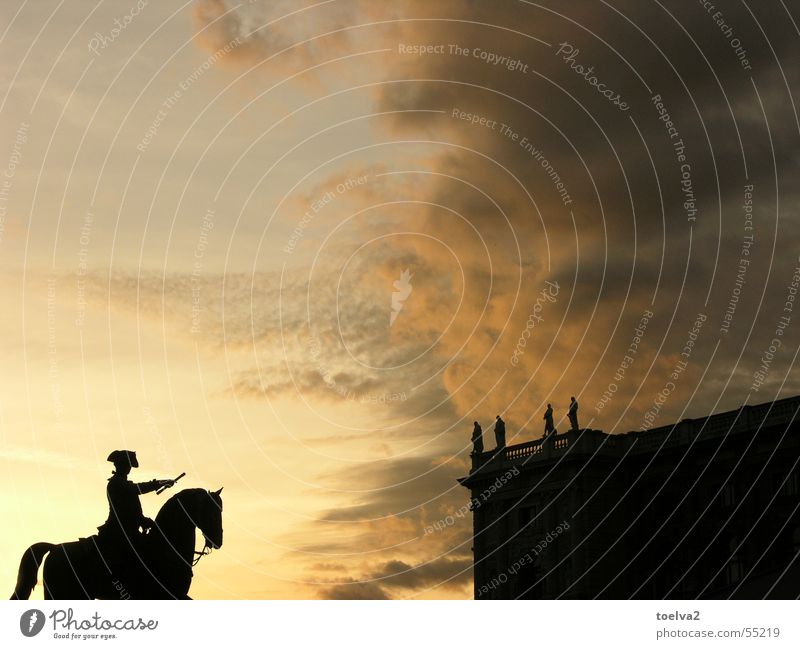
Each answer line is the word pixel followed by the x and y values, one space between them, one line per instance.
pixel 530 582
pixel 734 568
pixel 728 495
pixel 566 575
pixel 791 486
pixel 525 515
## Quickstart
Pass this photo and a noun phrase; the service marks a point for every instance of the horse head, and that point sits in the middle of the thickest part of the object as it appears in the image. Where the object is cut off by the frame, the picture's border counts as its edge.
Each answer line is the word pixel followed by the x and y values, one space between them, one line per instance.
pixel 201 507
pixel 212 523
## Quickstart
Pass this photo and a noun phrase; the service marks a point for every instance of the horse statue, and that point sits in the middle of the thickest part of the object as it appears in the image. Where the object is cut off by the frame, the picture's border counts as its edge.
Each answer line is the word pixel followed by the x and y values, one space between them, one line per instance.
pixel 159 568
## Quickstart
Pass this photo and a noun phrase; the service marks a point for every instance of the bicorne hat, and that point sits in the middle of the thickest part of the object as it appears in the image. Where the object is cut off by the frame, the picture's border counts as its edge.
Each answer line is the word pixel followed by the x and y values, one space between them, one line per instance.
pixel 124 457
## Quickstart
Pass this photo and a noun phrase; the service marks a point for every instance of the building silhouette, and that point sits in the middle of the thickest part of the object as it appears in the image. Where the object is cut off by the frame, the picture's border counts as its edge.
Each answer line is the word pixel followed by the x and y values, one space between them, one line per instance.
pixel 705 508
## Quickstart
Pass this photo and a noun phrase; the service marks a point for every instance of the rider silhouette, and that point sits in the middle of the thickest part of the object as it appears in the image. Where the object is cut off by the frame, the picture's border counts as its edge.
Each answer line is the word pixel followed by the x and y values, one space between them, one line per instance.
pixel 125 517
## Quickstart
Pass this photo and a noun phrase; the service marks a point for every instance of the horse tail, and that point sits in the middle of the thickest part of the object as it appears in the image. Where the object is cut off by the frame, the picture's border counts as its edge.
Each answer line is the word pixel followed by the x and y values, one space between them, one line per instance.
pixel 29 569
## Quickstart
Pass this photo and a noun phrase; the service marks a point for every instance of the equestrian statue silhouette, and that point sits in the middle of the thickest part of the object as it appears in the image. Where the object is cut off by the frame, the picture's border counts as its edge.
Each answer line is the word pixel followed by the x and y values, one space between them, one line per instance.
pixel 120 561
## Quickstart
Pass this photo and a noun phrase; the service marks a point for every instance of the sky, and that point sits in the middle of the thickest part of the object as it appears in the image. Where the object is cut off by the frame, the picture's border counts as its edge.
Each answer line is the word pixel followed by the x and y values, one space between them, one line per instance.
pixel 295 249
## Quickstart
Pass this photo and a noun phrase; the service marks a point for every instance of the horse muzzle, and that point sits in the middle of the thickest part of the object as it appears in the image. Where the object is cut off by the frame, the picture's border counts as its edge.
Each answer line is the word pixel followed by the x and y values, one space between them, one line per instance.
pixel 215 543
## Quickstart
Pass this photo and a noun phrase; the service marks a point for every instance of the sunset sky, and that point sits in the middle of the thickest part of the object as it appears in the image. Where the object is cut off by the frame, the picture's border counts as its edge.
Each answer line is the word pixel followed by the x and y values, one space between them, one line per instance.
pixel 206 207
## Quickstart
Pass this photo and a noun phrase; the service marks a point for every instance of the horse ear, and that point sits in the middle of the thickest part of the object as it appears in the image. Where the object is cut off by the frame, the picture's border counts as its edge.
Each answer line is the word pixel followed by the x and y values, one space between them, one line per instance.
pixel 219 491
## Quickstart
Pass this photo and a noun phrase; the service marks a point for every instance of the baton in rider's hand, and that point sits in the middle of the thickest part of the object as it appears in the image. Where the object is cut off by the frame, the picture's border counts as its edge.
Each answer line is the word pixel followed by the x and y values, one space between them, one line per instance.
pixel 160 489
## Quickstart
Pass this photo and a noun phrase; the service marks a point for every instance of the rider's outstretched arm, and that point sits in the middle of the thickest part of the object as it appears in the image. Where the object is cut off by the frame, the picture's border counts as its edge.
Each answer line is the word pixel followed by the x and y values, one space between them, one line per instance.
pixel 151 485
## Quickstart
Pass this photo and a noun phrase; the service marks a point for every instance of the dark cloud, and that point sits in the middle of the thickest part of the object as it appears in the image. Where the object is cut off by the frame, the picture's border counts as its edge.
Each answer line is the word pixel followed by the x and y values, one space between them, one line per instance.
pixel 450 572
pixel 401 487
pixel 400 578
pixel 357 590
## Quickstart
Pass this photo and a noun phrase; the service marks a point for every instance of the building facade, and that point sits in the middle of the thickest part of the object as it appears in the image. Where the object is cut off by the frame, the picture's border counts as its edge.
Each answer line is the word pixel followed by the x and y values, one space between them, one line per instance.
pixel 706 508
